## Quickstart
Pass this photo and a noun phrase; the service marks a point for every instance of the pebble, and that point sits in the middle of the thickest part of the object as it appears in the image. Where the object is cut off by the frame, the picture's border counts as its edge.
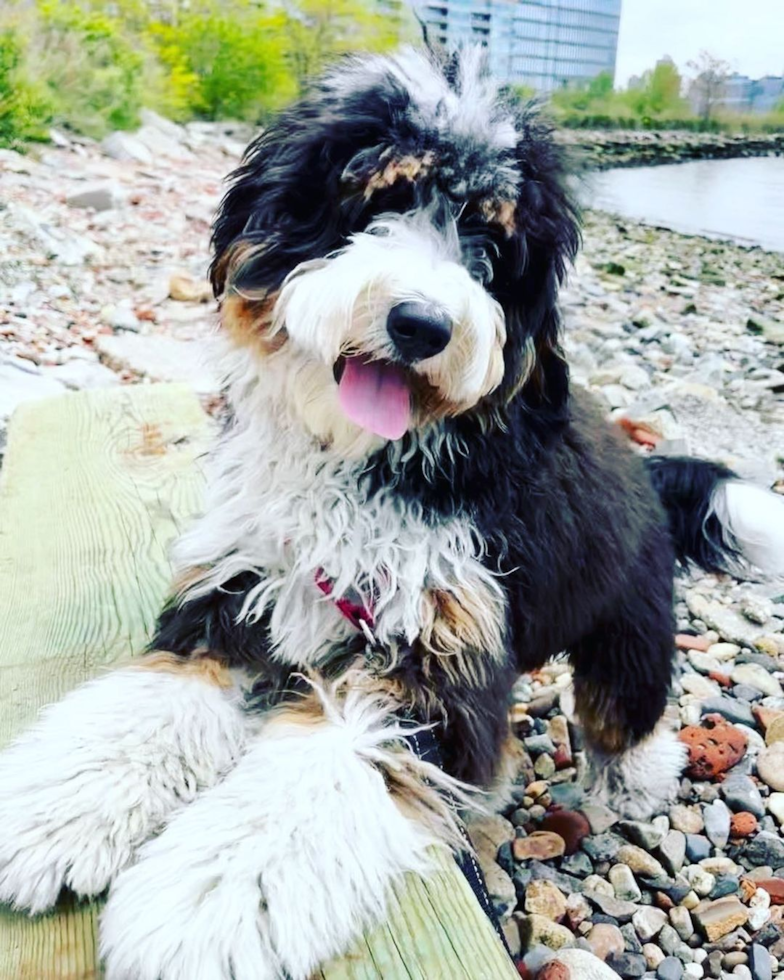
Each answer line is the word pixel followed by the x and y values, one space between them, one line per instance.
pixel 680 919
pixel 717 818
pixel 570 825
pixel 687 819
pixel 648 922
pixel 600 817
pixel 759 962
pixel 743 825
pixel 628 965
pixel 605 939
pixel 714 746
pixel 718 918
pixel 697 847
pixel 584 966
pixel 740 793
pixel 640 861
pixel 644 835
pixel 776 806
pixel 757 677
pixel 543 898
pixel 729 708
pixel 624 883
pixel 670 968
pixel 609 905
pixel 672 851
pixel 536 930
pixel 541 845
pixel 770 766
pixel 701 881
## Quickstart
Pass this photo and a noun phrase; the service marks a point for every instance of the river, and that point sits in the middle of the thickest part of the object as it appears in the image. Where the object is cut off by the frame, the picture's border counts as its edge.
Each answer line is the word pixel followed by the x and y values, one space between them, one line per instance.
pixel 741 199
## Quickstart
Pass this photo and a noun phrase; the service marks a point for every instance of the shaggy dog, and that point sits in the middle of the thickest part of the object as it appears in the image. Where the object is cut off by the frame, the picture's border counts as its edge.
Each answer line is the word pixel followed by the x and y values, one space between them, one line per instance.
pixel 408 508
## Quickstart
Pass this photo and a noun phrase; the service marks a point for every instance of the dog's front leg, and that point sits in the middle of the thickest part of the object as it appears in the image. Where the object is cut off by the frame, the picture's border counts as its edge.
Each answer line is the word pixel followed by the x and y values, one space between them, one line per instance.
pixel 105 767
pixel 289 859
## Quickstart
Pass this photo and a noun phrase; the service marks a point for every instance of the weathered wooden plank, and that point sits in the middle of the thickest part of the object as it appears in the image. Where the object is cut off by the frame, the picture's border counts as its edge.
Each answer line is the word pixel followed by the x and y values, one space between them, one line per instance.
pixel 436 931
pixel 94 488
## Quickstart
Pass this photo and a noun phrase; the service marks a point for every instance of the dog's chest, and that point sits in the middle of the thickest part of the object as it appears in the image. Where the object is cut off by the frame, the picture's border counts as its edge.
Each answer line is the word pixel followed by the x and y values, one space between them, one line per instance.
pixel 321 544
pixel 345 557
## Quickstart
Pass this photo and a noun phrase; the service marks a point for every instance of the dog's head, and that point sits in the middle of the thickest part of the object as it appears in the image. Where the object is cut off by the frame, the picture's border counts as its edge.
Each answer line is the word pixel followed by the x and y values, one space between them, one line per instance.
pixel 394 243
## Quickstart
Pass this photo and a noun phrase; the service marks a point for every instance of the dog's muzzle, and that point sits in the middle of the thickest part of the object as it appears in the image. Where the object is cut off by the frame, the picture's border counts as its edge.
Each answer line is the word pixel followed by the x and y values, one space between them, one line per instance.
pixel 418 330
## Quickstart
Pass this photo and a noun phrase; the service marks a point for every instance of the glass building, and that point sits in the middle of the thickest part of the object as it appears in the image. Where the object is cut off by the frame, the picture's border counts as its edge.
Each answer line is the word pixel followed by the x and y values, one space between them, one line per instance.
pixel 545 44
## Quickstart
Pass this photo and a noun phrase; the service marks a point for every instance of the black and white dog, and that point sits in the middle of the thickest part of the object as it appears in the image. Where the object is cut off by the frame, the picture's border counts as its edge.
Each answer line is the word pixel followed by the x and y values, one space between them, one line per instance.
pixel 408 508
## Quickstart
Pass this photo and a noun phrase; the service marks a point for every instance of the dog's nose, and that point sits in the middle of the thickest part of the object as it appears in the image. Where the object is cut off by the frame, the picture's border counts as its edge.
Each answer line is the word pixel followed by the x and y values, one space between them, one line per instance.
pixel 418 330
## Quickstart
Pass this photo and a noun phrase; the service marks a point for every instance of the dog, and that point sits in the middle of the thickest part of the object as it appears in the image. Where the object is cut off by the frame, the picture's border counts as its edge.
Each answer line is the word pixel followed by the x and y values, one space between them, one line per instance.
pixel 408 507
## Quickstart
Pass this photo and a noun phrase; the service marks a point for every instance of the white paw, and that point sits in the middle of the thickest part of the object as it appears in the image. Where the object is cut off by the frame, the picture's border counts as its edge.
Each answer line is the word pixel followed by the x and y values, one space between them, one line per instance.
pixel 100 772
pixel 273 871
pixel 639 783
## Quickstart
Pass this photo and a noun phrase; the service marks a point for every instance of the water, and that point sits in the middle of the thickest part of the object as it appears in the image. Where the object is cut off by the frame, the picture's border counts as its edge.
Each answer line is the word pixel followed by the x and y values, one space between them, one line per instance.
pixel 742 200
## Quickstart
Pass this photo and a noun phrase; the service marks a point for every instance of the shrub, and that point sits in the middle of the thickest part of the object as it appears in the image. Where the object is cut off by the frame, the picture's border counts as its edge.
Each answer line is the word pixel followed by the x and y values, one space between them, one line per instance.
pixel 222 61
pixel 25 110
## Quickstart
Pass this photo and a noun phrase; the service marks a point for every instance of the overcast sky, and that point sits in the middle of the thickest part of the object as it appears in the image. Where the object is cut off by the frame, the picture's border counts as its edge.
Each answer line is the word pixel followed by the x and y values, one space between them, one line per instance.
pixel 749 34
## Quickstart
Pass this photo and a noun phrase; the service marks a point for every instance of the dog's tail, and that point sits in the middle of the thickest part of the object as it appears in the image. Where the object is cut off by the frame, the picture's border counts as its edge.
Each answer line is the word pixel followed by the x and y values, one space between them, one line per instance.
pixel 717 520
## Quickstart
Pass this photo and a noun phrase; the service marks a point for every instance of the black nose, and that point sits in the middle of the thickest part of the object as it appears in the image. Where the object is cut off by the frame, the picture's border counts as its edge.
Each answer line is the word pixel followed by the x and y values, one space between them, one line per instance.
pixel 418 330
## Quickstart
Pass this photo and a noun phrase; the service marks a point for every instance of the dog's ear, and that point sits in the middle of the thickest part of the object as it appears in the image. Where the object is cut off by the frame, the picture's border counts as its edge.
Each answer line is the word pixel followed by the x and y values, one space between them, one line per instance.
pixel 291 199
pixel 542 240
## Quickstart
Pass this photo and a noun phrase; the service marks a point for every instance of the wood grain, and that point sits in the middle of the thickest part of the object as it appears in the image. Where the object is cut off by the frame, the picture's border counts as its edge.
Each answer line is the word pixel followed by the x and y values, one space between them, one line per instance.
pixel 94 488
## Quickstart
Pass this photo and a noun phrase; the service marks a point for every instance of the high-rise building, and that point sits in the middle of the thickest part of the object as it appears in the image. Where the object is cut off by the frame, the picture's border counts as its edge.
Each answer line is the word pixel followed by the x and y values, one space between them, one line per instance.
pixel 545 44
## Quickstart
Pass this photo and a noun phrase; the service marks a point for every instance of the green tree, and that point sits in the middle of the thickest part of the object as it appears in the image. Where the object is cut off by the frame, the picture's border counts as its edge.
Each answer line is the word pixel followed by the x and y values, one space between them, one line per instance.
pixel 316 32
pixel 664 89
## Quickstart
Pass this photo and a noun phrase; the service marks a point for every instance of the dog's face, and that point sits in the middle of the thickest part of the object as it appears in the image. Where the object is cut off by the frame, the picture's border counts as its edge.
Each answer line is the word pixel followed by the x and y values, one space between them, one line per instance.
pixel 392 246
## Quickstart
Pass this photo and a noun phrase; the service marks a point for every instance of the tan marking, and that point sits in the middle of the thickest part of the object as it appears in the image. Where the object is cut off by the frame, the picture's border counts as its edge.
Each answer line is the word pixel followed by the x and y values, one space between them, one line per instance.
pixel 601 717
pixel 464 618
pixel 501 213
pixel 199 664
pixel 249 322
pixel 408 168
pixel 188 578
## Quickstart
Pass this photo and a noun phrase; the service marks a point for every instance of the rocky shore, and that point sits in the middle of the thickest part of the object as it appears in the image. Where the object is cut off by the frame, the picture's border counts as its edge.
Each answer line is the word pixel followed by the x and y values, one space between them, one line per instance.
pixel 601 149
pixel 103 283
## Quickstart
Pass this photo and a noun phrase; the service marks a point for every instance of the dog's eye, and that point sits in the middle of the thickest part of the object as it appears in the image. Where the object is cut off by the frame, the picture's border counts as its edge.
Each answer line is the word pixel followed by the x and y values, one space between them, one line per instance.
pixel 478 255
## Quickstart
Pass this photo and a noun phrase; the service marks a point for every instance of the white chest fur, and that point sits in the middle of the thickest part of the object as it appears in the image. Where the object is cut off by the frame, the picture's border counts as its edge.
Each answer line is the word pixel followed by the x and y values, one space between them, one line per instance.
pixel 282 506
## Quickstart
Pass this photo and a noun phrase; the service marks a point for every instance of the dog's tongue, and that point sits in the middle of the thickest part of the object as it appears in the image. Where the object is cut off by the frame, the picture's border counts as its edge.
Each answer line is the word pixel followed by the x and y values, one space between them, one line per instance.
pixel 375 395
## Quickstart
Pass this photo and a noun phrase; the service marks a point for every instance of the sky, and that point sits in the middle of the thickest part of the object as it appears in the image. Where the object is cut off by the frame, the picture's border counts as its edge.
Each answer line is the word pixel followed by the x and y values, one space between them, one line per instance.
pixel 749 34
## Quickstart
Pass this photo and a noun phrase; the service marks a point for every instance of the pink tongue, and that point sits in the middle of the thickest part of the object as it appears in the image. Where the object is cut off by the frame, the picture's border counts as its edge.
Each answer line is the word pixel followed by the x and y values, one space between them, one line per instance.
pixel 374 394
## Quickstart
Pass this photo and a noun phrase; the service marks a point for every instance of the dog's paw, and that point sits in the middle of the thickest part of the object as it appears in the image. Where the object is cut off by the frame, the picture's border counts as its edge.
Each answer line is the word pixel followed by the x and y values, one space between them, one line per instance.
pixel 174 916
pixel 282 865
pixel 100 772
pixel 638 784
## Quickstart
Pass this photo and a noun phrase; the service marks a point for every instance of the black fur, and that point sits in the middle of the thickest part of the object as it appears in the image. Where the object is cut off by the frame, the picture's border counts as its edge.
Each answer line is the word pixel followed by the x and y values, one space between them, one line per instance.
pixel 686 487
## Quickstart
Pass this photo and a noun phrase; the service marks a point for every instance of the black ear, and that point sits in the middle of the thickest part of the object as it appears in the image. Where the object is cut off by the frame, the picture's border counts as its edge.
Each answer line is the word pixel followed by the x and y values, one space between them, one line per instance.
pixel 290 199
pixel 541 245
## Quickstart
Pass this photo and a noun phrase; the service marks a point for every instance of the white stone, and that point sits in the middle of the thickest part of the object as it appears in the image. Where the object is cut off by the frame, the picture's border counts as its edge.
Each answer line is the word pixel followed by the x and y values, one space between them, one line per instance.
pixel 723 651
pixel 124 146
pixel 756 676
pixel 79 373
pixel 100 197
pixel 648 922
pixel 701 881
pixel 776 806
pixel 159 358
pixel 701 687
pixel 20 386
pixel 585 965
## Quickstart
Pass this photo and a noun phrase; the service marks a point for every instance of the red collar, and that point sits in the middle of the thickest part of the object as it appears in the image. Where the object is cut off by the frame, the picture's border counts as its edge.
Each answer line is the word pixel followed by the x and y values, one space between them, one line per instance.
pixel 359 614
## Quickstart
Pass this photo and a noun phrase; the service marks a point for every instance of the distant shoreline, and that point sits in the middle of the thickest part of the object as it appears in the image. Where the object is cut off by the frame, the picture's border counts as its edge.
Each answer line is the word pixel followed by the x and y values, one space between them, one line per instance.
pixel 603 149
